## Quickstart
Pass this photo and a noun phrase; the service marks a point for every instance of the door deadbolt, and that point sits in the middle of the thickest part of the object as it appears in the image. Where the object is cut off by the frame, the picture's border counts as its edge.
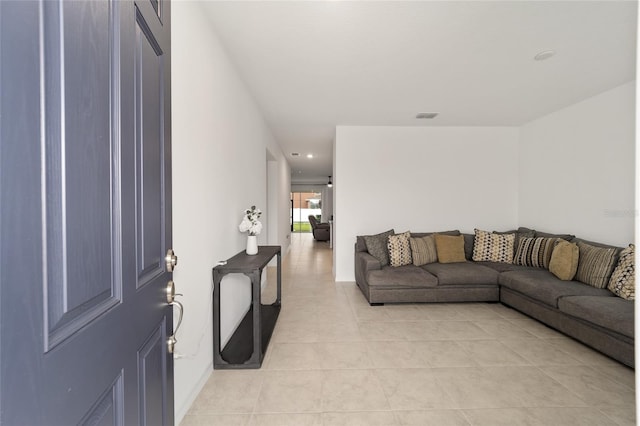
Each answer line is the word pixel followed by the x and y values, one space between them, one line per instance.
pixel 171 260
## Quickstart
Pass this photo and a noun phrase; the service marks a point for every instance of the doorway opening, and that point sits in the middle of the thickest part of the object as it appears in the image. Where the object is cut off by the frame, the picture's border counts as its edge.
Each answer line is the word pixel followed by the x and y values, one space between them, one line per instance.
pixel 304 204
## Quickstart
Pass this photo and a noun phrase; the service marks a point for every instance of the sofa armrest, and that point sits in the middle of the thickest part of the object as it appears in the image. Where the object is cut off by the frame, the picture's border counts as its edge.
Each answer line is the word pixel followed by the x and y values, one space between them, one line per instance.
pixel 364 262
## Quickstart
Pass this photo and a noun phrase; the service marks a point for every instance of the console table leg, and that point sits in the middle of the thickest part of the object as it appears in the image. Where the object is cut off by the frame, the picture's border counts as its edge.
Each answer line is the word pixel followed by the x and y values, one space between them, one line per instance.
pixel 256 277
pixel 279 279
pixel 217 357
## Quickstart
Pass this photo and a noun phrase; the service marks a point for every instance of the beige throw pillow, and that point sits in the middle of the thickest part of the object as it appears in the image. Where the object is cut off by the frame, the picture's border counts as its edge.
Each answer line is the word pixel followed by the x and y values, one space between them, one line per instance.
pixel 492 247
pixel 564 260
pixel 450 249
pixel 623 279
pixel 423 250
pixel 399 249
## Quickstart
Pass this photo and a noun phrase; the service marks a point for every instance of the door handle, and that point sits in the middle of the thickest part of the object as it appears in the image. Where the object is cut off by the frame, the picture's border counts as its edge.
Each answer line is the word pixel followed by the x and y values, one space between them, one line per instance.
pixel 171 295
pixel 171 260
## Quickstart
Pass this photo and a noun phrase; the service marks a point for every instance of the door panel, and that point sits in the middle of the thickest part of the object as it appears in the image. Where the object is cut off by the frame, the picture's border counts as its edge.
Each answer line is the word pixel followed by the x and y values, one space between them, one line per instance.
pixel 85 213
pixel 149 152
pixel 151 377
pixel 81 139
pixel 108 409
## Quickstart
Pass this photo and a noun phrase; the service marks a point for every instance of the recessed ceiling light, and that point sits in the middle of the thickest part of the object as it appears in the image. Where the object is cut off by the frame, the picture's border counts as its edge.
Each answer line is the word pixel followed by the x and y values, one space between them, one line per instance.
pixel 295 154
pixel 309 155
pixel 545 54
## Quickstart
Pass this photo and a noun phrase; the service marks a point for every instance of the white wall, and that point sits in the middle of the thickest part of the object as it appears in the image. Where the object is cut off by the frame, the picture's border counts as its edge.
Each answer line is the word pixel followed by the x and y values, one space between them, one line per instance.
pixel 421 179
pixel 577 169
pixel 220 145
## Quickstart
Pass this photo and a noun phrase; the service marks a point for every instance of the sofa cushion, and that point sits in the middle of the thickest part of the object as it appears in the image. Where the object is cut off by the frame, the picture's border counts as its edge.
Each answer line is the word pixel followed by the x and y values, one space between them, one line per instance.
pixel 450 248
pixel 534 252
pixel 567 237
pixel 545 287
pixel 612 313
pixel 468 245
pixel 623 279
pixel 492 247
pixel 462 273
pixel 596 264
pixel 403 276
pixel 360 244
pixel 423 250
pixel 377 246
pixel 399 249
pixel 564 260
pixel 453 232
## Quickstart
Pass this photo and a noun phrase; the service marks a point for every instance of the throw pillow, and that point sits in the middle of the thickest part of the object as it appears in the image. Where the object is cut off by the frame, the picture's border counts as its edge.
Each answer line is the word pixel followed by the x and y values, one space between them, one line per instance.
pixel 564 260
pixel 399 249
pixel 596 264
pixel 423 250
pixel 450 249
pixel 523 233
pixel 492 247
pixel 623 279
pixel 377 246
pixel 535 252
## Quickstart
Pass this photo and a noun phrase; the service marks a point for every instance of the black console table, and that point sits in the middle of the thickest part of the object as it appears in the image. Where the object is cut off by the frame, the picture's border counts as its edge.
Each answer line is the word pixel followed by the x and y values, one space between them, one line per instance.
pixel 248 344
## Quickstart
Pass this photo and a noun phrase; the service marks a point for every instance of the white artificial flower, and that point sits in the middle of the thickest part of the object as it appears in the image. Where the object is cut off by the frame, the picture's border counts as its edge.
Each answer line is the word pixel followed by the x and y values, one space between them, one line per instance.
pixel 245 225
pixel 255 228
pixel 250 221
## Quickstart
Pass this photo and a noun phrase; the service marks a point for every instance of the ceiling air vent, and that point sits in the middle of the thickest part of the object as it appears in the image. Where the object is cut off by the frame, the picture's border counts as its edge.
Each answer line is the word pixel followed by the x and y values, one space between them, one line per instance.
pixel 426 115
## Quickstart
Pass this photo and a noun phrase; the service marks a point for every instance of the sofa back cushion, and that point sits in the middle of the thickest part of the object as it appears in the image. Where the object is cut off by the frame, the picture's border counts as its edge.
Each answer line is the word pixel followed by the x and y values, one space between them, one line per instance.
pixel 535 252
pixel 454 232
pixel 493 247
pixel 567 237
pixel 596 264
pixel 423 250
pixel 623 279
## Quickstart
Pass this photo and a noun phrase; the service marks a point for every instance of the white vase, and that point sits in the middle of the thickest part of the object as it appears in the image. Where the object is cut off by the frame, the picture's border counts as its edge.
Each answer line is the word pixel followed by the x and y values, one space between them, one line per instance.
pixel 252 245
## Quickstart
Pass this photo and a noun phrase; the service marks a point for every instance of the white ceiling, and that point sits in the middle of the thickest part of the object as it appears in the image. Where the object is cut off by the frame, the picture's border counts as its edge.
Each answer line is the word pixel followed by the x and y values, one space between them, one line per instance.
pixel 312 65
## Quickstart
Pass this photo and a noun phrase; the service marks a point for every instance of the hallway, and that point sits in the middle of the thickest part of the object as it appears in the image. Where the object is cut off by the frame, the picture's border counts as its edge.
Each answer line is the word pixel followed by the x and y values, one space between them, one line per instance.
pixel 335 360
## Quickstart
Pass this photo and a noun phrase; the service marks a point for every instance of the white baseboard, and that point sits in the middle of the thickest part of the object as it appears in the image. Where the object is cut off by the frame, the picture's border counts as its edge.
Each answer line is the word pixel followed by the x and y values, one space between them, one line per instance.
pixel 182 411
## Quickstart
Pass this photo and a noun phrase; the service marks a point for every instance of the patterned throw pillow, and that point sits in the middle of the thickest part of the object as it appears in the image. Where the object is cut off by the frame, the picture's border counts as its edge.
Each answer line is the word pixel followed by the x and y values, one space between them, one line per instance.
pixel 399 249
pixel 596 264
pixel 377 246
pixel 564 260
pixel 450 248
pixel 423 250
pixel 490 247
pixel 535 252
pixel 623 279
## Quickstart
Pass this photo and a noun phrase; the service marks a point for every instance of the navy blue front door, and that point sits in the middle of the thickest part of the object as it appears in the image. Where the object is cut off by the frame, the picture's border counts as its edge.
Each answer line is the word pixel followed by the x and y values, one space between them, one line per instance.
pixel 85 213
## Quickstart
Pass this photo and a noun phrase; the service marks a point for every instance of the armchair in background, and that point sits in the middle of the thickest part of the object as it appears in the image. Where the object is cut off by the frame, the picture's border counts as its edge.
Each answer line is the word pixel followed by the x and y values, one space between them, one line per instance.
pixel 321 231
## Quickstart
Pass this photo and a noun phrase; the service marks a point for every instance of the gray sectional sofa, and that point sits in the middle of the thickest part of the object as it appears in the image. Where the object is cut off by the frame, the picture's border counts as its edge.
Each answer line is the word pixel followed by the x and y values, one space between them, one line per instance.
pixel 594 316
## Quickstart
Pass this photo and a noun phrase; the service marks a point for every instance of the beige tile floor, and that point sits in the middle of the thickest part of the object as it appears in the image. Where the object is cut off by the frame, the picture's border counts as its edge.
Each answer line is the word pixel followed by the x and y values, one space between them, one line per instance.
pixel 335 360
